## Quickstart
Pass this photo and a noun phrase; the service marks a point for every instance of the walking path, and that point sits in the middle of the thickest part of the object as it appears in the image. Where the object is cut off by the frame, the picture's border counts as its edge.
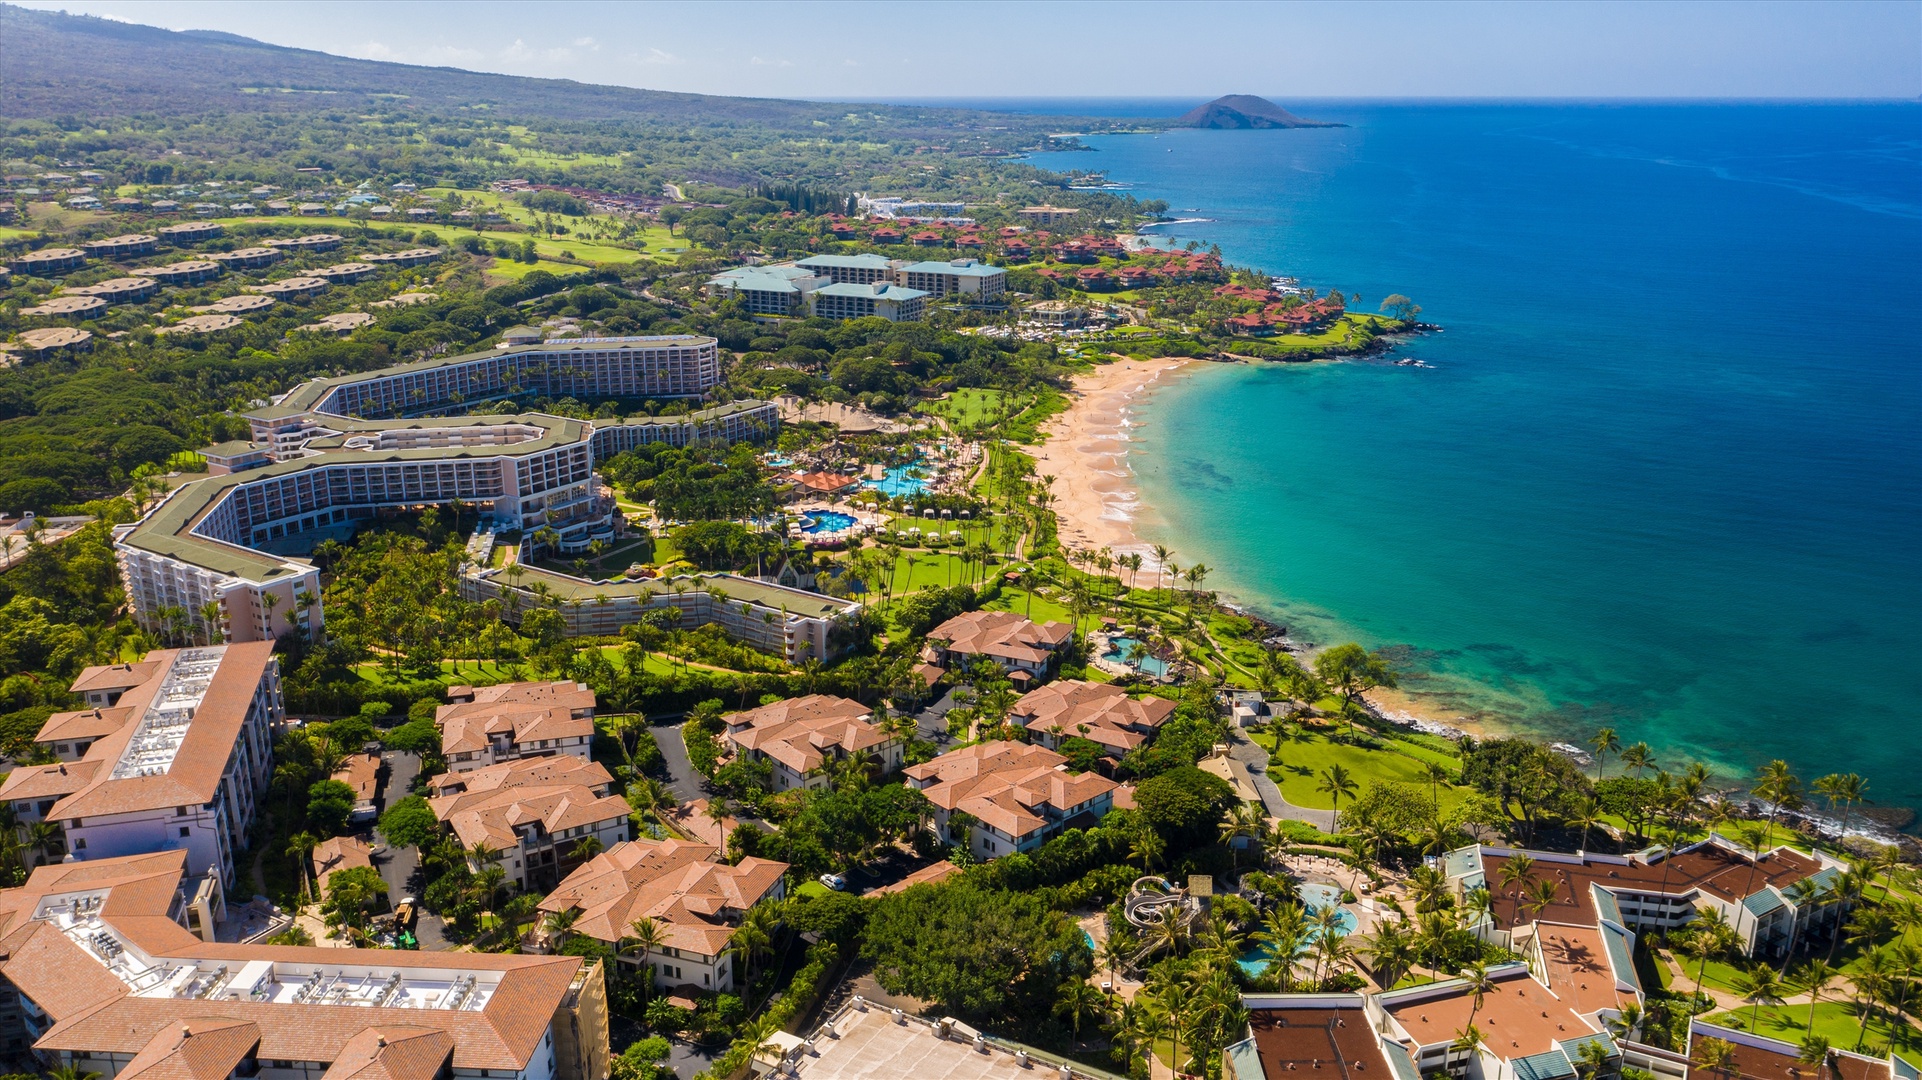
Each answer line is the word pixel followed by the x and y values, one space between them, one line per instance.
pixel 1244 750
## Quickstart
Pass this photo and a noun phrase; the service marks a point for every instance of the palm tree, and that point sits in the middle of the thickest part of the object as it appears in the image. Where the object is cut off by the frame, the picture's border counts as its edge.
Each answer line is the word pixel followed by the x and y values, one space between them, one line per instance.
pixel 1514 875
pixel 1244 821
pixel 1079 1000
pixel 1758 986
pixel 1605 742
pixel 1468 1042
pixel 73 1072
pixel 559 924
pixel 586 848
pixel 1391 953
pixel 1715 1055
pixel 1280 937
pixel 1147 846
pixel 644 935
pixel 1587 813
pixel 1815 1051
pixel 1337 783
pixel 301 846
pixel 1541 894
pixel 1477 984
pixel 1175 999
pixel 755 936
pixel 1638 757
pixel 1812 977
pixel 1777 786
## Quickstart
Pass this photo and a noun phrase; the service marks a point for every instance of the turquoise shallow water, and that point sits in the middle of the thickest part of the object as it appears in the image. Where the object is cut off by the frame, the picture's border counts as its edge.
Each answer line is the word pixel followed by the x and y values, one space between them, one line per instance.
pixel 1665 473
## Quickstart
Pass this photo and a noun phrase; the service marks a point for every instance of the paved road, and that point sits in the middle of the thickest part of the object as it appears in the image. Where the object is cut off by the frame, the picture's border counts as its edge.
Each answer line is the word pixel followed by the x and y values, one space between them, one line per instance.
pixel 1244 750
pixel 400 866
pixel 933 720
pixel 683 781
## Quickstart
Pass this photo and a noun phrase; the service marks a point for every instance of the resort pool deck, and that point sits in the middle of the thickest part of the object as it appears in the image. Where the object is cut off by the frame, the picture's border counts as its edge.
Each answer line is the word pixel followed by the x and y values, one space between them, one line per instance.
pixel 817 522
pixel 1118 654
pixel 1315 897
pixel 899 481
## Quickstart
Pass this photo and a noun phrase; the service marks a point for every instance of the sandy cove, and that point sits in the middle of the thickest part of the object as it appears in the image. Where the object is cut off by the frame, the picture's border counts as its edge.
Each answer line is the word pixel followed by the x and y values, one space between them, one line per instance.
pixel 1096 504
pixel 1087 454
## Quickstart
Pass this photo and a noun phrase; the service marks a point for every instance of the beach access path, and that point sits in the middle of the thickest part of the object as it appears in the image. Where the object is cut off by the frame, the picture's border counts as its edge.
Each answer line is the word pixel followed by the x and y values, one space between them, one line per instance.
pixel 1244 750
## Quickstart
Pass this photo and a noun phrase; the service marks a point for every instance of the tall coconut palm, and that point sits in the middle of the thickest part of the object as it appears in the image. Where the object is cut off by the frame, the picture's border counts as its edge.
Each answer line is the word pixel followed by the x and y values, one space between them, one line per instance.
pixel 1514 876
pixel 1638 757
pixel 1758 986
pixel 1812 977
pixel 1336 783
pixel 1605 742
pixel 1078 1000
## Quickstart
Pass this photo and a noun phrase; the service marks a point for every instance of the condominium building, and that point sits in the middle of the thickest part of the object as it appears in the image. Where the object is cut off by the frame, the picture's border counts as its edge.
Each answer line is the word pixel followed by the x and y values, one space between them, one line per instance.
pixel 175 757
pixel 1022 648
pixel 108 979
pixel 863 269
pixel 123 247
pixel 490 724
pixel 1771 901
pixel 967 279
pixel 794 624
pixel 696 902
pixel 895 303
pixel 768 290
pixel 800 737
pixel 534 813
pixel 1099 712
pixel 1016 796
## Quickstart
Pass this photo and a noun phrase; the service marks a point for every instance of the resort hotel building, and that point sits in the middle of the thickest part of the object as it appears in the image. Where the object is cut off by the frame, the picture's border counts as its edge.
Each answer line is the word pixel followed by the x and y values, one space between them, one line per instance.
pixel 101 973
pixel 173 753
pixel 1571 1006
pixel 857 286
pixel 336 452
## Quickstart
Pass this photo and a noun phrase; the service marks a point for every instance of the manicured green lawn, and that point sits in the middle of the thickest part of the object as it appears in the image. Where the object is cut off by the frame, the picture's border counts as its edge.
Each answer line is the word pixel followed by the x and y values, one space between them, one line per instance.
pixel 1297 764
pixel 1834 1020
pixel 970 406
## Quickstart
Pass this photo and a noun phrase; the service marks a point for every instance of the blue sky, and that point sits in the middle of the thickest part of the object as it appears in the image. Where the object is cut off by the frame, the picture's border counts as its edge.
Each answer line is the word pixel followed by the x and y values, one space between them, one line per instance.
pixel 1031 49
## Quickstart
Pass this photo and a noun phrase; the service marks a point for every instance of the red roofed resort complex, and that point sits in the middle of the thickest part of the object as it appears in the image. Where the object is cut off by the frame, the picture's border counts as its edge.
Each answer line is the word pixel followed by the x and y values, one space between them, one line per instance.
pixel 801 736
pixel 1020 647
pixel 534 812
pixel 111 981
pixel 480 727
pixel 696 901
pixel 1575 996
pixel 175 756
pixel 1099 712
pixel 1011 796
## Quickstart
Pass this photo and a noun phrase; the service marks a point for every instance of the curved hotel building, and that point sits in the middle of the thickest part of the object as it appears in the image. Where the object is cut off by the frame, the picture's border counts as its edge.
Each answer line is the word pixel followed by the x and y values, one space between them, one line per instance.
pixel 336 451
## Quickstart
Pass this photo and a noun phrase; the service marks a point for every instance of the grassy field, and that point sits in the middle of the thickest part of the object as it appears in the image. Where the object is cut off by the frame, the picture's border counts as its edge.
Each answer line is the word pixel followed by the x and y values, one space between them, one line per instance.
pixel 1300 758
pixel 970 406
pixel 1834 1020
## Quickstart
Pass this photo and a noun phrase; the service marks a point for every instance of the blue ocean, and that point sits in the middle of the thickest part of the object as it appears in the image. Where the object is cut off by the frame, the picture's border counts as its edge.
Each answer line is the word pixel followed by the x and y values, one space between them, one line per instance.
pixel 1664 471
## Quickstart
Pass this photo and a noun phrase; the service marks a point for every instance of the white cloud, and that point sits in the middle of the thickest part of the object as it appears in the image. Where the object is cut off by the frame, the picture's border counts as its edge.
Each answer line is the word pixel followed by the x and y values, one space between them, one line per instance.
pixel 758 62
pixel 432 55
pixel 654 56
pixel 587 43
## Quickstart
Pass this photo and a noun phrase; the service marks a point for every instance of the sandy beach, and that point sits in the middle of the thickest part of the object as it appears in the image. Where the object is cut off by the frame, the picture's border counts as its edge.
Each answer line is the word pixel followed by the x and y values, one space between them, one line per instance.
pixel 1087 454
pixel 1096 504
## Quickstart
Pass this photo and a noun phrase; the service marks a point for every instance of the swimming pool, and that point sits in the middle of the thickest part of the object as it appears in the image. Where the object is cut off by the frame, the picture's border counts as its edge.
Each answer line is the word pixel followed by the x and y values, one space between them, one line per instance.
pixel 899 481
pixel 1118 654
pixel 826 521
pixel 1315 897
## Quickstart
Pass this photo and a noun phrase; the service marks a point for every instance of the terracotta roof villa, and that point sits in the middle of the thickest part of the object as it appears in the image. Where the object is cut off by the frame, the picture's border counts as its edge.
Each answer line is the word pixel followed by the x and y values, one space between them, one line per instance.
pixel 1014 644
pixel 1099 712
pixel 1019 796
pixel 1304 1033
pixel 110 981
pixel 801 736
pixel 179 760
pixel 697 900
pixel 1758 1057
pixel 514 720
pixel 534 812
pixel 1645 890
